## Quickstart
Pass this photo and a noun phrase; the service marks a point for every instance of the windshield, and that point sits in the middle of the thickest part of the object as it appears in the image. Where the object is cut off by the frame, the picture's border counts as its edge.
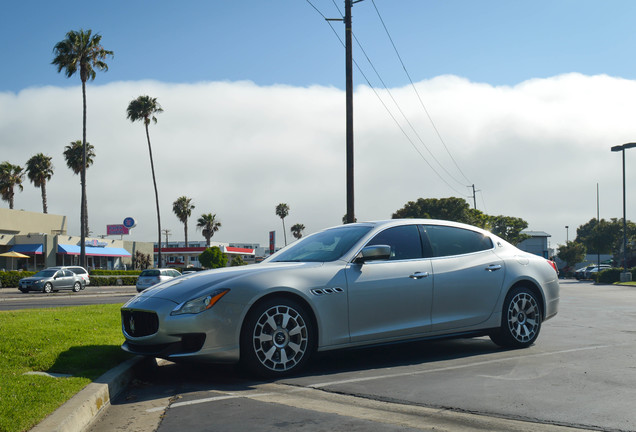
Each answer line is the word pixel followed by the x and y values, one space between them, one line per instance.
pixel 328 245
pixel 45 273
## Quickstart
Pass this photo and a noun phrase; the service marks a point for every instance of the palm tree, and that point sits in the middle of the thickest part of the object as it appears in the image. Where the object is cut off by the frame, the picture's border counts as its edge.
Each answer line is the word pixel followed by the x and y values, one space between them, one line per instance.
pixel 182 207
pixel 39 169
pixel 81 50
pixel 297 230
pixel 10 177
pixel 144 108
pixel 74 155
pixel 282 210
pixel 210 225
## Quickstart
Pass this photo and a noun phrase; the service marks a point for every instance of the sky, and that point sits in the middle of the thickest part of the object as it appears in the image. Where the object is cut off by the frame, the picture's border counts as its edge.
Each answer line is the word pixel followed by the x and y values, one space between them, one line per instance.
pixel 523 100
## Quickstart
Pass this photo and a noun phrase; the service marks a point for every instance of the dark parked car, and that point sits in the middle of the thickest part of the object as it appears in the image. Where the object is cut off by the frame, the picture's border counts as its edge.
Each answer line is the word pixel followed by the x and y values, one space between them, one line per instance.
pixel 51 279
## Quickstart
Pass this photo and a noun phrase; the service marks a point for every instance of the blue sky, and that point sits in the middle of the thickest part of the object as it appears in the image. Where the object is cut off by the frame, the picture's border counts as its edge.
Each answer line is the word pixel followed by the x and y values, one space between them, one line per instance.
pixel 288 42
pixel 528 98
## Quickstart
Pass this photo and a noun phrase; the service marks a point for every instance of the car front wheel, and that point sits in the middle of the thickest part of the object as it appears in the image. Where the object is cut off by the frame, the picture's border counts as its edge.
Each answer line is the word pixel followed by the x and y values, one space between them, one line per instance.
pixel 521 320
pixel 277 338
pixel 47 287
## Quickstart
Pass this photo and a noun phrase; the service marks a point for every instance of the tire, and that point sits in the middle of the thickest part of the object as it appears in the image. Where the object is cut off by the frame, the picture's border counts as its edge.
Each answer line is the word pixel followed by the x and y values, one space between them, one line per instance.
pixel 277 338
pixel 47 287
pixel 77 286
pixel 520 321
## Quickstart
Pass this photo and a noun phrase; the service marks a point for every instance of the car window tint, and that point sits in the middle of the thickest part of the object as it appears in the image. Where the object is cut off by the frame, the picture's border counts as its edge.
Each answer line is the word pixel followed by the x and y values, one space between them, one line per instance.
pixel 404 241
pixel 446 240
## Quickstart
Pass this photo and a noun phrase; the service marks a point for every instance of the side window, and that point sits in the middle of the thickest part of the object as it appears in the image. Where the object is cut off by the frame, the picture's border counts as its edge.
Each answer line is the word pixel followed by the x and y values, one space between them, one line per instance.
pixel 447 241
pixel 404 241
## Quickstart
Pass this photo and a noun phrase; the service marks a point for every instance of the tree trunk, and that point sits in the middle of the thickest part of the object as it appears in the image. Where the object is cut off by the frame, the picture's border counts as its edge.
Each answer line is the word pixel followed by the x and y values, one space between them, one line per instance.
pixel 83 216
pixel 43 189
pixel 154 181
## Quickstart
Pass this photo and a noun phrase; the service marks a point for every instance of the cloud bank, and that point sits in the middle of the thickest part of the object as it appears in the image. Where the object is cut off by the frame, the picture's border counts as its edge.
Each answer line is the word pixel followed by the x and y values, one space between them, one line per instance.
pixel 536 150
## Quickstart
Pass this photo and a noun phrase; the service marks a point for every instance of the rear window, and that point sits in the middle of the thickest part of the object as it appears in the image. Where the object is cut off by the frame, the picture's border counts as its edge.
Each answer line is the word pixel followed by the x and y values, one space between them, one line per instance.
pixel 150 273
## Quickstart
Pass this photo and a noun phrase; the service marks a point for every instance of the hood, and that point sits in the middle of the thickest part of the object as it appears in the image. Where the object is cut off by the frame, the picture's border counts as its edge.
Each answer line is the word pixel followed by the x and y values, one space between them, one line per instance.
pixel 190 286
pixel 34 279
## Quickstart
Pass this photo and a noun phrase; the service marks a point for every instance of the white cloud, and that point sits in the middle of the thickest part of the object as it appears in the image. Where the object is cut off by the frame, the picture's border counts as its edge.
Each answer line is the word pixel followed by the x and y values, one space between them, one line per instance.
pixel 535 150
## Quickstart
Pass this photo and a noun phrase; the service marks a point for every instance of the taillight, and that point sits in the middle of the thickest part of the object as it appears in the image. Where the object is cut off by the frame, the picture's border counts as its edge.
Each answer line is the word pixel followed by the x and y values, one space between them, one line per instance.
pixel 554 266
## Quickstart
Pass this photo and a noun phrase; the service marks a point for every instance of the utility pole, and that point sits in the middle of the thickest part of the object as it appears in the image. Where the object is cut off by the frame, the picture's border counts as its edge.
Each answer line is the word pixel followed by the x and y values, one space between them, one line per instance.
pixel 349 83
pixel 167 233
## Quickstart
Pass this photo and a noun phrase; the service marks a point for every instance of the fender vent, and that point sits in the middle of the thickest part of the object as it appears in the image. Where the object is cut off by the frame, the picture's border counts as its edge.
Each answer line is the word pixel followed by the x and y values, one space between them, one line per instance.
pixel 324 291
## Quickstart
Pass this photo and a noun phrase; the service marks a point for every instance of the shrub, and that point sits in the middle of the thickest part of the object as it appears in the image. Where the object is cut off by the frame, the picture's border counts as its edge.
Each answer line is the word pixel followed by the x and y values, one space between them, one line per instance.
pixel 98 272
pixel 113 281
pixel 612 275
pixel 10 279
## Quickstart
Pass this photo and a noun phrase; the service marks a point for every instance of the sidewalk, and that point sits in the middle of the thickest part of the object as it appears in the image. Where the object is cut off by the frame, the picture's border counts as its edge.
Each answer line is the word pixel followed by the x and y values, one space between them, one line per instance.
pixel 80 411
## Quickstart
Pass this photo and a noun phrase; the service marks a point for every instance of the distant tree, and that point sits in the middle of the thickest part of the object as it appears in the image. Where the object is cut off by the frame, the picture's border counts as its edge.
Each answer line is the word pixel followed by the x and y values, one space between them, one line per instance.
pixel 213 258
pixel 39 169
pixel 82 50
pixel 209 225
pixel 451 209
pixel 74 156
pixel 509 228
pixel 346 217
pixel 182 207
pixel 141 260
pixel 144 108
pixel 458 210
pixel 237 260
pixel 297 230
pixel 282 210
pixel 572 252
pixel 11 176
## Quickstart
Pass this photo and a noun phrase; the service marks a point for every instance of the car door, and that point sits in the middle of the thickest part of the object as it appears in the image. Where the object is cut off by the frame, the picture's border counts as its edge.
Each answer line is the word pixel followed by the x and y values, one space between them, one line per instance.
pixel 467 277
pixel 63 279
pixel 390 298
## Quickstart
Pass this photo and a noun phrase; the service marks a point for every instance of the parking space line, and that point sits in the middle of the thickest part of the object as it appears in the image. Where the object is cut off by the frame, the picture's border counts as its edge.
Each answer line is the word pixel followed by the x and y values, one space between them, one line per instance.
pixel 449 368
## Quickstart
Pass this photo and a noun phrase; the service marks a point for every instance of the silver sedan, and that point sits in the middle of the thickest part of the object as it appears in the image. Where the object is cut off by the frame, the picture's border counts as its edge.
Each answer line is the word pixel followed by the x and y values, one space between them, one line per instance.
pixel 347 286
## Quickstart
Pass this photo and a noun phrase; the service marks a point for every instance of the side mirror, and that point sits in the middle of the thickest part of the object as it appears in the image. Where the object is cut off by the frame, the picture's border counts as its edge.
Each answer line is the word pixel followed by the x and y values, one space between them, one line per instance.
pixel 373 253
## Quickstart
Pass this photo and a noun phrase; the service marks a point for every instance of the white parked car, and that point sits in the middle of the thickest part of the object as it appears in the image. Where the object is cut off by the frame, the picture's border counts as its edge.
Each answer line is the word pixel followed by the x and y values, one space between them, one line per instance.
pixel 150 277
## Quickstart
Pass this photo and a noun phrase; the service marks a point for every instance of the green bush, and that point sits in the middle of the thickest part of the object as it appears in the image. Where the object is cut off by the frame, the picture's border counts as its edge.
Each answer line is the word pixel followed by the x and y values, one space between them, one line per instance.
pixel 611 276
pixel 10 279
pixel 113 281
pixel 98 272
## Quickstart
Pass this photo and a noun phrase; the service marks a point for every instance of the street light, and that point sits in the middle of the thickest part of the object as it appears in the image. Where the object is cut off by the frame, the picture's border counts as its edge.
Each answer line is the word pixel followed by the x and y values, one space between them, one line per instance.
pixel 625 276
pixel 567 234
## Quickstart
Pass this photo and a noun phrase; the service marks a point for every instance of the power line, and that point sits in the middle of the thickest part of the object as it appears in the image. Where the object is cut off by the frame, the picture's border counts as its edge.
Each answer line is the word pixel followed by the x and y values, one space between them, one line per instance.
pixel 387 108
pixel 417 93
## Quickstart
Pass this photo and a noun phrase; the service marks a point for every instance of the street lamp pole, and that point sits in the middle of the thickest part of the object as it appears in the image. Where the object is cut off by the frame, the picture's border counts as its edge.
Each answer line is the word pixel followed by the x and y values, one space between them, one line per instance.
pixel 567 234
pixel 625 276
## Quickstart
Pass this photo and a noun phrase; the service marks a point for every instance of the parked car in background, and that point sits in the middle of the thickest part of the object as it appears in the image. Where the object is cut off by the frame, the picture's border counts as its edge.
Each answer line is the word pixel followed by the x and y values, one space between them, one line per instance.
pixel 80 271
pixel 589 274
pixel 580 273
pixel 51 279
pixel 348 286
pixel 150 277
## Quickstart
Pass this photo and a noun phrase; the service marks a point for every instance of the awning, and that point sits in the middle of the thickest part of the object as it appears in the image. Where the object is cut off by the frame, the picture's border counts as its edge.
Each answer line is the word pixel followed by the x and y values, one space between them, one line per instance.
pixel 35 249
pixel 92 251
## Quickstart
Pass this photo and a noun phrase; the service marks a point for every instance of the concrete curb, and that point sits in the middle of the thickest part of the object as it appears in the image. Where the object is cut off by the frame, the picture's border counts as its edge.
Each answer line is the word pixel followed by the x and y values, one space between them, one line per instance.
pixel 78 412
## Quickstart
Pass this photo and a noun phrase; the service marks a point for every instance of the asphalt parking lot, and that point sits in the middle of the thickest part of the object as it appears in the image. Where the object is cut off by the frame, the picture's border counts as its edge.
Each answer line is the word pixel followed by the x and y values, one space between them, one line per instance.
pixel 580 374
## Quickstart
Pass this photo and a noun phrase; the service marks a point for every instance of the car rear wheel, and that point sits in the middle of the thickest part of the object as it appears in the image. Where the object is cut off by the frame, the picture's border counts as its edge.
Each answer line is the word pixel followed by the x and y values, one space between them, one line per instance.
pixel 47 287
pixel 521 320
pixel 277 338
pixel 77 286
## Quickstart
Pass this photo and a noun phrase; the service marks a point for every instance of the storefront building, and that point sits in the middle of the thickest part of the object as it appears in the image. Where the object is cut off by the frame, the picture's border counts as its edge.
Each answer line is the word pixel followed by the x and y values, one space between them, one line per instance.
pixel 37 240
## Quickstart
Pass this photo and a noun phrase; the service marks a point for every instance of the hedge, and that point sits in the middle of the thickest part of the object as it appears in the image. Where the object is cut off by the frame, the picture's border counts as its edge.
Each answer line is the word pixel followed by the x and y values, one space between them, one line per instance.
pixel 612 275
pixel 98 272
pixel 10 279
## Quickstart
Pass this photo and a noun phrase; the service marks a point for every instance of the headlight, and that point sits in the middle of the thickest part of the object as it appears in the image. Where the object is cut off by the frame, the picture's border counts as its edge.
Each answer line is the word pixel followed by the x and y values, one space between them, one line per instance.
pixel 200 304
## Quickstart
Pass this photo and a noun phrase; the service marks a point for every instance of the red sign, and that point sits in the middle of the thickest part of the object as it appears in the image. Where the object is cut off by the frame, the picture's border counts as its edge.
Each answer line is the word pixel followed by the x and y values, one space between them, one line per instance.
pixel 116 230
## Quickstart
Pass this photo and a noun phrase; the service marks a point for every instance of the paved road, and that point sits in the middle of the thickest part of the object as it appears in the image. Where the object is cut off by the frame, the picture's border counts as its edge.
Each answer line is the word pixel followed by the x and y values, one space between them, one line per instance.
pixel 581 374
pixel 12 299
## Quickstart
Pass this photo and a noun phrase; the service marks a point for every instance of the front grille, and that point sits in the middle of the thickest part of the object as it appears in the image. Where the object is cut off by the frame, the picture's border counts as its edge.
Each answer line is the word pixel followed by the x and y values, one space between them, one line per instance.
pixel 139 323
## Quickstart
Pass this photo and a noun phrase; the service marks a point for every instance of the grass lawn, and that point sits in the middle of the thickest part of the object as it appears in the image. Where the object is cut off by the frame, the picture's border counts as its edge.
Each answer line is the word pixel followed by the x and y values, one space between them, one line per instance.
pixel 83 342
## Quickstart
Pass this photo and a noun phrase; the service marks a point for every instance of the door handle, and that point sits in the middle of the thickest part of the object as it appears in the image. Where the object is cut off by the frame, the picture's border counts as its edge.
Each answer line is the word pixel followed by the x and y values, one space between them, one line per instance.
pixel 419 275
pixel 493 267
